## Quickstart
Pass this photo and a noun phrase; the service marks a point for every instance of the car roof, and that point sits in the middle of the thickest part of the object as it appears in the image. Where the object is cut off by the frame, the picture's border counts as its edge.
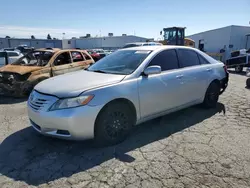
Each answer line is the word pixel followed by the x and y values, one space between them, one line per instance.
pixel 153 48
pixel 59 50
pixel 13 52
pixel 48 49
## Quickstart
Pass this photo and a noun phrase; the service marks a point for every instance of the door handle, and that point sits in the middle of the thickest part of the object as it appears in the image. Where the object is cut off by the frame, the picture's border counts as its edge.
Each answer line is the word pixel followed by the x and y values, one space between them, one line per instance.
pixel 179 76
pixel 209 69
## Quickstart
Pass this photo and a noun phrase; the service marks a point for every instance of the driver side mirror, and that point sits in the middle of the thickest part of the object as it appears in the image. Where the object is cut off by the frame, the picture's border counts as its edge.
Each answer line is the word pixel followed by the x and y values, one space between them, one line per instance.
pixel 155 69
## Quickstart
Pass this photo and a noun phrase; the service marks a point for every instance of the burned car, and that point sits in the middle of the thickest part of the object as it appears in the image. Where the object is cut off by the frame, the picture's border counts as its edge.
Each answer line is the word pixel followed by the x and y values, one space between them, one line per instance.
pixel 18 78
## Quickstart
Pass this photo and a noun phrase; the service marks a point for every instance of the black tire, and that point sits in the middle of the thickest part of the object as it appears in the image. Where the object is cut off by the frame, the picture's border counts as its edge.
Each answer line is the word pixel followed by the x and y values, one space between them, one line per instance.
pixel 113 124
pixel 248 83
pixel 238 69
pixel 212 95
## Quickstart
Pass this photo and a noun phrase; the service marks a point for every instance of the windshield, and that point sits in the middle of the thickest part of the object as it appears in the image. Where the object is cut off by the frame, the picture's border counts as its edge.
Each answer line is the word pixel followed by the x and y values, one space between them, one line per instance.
pixel 35 58
pixel 120 62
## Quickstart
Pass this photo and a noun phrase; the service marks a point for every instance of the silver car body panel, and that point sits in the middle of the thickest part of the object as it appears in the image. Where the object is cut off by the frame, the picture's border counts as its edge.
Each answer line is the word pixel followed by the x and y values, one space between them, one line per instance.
pixel 152 96
pixel 79 81
pixel 78 121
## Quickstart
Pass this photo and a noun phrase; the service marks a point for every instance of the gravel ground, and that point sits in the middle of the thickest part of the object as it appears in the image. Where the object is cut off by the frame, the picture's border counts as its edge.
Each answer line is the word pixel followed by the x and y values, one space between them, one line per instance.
pixel 190 148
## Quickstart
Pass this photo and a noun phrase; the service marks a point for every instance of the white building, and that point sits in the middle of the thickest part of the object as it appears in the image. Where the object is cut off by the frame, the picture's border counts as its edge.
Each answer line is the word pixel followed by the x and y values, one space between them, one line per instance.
pixel 36 43
pixel 229 38
pixel 110 42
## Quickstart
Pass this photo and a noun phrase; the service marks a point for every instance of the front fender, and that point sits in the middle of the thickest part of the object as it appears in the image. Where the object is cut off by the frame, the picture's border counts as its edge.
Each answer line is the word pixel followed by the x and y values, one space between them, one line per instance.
pixel 125 89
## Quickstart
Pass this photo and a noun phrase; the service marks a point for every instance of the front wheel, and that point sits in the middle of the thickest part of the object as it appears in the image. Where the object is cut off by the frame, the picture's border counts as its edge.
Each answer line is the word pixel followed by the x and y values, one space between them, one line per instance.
pixel 212 95
pixel 238 69
pixel 113 124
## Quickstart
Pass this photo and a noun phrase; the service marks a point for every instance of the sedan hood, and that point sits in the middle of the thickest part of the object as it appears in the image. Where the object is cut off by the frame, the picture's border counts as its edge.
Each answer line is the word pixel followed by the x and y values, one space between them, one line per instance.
pixel 20 69
pixel 73 84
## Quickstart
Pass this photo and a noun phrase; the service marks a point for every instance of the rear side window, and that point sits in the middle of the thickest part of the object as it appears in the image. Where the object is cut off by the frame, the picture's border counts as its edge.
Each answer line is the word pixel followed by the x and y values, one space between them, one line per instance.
pixel 12 54
pixel 87 57
pixel 188 58
pixel 203 61
pixel 77 56
pixel 166 59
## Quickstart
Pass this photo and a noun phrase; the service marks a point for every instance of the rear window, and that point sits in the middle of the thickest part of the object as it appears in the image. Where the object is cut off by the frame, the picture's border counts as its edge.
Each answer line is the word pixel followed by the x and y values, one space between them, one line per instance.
pixel 131 45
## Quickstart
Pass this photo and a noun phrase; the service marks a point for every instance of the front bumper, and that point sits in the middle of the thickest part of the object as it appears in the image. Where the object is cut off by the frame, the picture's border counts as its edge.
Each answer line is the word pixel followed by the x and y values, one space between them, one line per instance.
pixel 17 89
pixel 73 124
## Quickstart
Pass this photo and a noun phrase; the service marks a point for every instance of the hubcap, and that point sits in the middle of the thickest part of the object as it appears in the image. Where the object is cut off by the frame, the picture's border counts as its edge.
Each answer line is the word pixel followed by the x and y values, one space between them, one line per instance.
pixel 116 124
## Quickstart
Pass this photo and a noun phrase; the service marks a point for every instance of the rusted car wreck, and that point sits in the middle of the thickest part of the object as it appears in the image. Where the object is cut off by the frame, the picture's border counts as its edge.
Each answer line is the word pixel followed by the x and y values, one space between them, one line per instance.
pixel 19 78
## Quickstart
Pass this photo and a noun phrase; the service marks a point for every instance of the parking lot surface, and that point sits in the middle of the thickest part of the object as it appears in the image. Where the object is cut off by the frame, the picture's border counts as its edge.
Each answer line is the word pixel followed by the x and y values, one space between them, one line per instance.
pixel 190 148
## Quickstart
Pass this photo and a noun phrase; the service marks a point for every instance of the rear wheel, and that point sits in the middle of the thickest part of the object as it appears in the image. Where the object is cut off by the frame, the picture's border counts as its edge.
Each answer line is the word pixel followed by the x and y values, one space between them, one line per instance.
pixel 248 83
pixel 238 69
pixel 113 124
pixel 212 95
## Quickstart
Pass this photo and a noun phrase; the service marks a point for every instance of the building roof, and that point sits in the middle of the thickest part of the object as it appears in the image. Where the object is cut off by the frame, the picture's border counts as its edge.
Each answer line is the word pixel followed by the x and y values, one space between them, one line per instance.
pixel 31 39
pixel 106 37
pixel 48 49
pixel 218 29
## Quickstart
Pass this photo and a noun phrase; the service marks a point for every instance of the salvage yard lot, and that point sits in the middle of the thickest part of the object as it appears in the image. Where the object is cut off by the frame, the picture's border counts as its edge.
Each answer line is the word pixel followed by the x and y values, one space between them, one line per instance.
pixel 190 148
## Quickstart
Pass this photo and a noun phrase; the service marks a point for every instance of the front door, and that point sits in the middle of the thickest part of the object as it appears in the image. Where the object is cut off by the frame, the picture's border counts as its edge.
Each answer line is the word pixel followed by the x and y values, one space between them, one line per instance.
pixel 62 64
pixel 161 92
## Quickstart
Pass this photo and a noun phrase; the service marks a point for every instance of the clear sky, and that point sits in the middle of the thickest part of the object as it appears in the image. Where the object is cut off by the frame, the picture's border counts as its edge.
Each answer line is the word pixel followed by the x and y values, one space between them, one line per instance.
pixel 99 17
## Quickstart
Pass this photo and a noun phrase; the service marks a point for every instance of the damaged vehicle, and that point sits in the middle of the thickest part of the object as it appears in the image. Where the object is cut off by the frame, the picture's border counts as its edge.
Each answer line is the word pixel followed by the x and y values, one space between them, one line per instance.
pixel 19 78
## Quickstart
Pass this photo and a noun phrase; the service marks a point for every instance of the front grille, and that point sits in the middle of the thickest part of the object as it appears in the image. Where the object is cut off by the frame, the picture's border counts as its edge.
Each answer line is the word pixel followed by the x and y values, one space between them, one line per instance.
pixel 37 104
pixel 41 102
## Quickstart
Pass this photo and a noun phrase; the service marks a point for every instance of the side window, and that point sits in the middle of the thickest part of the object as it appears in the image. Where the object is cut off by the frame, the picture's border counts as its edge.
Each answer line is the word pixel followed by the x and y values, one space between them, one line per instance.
pixel 12 54
pixel 203 61
pixel 77 56
pixel 62 59
pixel 166 59
pixel 87 57
pixel 188 58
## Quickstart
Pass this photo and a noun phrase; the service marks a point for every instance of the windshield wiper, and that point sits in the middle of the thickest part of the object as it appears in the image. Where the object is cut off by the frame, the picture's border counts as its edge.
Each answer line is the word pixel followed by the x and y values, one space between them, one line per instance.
pixel 99 71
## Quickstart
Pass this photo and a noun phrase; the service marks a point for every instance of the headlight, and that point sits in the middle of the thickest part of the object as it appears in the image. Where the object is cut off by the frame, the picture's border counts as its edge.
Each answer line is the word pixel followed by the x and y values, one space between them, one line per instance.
pixel 71 102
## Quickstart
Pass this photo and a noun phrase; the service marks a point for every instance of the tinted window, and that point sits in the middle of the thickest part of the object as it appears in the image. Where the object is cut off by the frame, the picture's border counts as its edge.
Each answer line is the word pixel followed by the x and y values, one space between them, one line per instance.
pixel 203 61
pixel 166 59
pixel 188 58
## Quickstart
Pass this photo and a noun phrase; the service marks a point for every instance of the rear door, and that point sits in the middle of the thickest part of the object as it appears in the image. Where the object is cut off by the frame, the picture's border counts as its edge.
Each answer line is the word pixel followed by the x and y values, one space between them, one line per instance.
pixel 194 79
pixel 62 63
pixel 70 61
pixel 80 60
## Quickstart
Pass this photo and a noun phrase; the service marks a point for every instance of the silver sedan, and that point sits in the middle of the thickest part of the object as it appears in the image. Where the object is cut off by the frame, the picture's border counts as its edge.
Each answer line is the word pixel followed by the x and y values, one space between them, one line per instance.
pixel 126 88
